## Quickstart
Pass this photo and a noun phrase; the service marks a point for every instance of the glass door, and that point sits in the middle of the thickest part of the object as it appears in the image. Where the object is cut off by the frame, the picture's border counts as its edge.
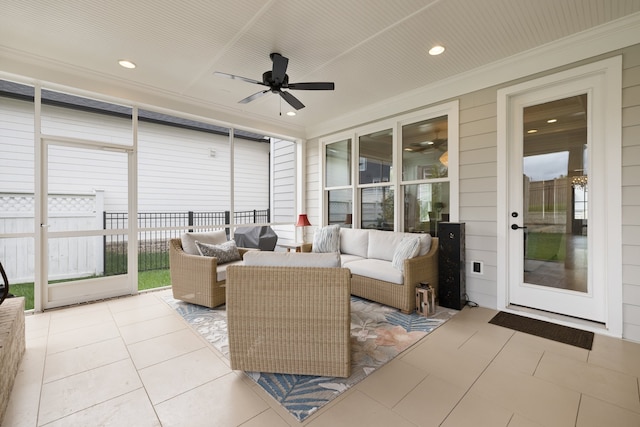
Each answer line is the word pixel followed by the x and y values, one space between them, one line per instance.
pixel 549 236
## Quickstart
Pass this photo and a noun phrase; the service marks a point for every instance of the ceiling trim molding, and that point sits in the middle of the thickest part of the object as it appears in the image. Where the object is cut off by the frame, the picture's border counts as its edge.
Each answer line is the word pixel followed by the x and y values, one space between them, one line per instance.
pixel 600 40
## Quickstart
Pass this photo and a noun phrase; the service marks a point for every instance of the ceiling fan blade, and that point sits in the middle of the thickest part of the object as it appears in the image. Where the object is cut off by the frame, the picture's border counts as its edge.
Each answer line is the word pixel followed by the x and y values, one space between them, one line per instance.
pixel 279 70
pixel 234 77
pixel 256 95
pixel 292 100
pixel 312 86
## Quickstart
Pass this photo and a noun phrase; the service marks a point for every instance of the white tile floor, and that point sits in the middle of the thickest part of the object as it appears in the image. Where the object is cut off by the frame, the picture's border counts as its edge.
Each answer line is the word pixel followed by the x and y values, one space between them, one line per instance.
pixel 134 362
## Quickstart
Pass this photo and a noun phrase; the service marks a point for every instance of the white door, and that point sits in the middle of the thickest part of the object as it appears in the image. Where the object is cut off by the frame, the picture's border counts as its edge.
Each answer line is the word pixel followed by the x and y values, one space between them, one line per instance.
pixel 556 188
pixel 85 256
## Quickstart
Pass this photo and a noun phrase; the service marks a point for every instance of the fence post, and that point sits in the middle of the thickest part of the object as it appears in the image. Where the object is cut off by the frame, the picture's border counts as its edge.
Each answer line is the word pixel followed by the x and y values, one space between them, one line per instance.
pixel 190 220
pixel 104 243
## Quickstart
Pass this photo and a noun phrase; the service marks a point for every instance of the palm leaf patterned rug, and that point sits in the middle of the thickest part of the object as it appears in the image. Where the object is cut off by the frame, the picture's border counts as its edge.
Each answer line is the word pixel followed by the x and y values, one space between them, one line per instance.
pixel 378 334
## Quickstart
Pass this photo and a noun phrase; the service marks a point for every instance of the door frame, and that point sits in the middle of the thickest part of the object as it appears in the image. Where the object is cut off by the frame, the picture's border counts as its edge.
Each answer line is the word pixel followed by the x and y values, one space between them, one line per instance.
pixel 610 71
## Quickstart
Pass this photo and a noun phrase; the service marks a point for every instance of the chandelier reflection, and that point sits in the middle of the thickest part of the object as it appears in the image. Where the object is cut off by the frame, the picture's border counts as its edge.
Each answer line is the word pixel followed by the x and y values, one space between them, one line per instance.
pixel 579 181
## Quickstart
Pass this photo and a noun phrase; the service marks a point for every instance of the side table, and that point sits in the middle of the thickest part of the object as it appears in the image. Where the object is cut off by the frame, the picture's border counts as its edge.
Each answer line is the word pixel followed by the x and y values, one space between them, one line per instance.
pixel 289 246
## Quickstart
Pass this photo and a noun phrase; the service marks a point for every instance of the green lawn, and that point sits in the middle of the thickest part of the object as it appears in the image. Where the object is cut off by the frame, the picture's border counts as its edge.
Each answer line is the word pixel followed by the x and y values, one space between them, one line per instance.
pixel 146 280
pixel 546 246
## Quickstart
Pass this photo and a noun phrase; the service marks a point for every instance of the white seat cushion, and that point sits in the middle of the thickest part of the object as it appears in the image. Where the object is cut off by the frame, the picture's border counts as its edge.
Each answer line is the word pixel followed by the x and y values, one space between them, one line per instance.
pixel 221 272
pixel 291 259
pixel 345 258
pixel 376 269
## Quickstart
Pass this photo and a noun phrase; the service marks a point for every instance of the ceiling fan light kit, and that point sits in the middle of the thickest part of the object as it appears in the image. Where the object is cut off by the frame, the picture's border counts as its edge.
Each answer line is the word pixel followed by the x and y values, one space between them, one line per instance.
pixel 276 80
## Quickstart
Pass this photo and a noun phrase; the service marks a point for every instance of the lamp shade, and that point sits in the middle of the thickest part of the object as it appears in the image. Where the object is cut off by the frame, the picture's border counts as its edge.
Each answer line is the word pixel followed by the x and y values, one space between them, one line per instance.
pixel 303 221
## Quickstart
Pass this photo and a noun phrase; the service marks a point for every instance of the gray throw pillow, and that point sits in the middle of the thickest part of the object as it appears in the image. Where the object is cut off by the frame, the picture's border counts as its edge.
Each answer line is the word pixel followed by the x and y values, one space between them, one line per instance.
pixel 327 239
pixel 225 252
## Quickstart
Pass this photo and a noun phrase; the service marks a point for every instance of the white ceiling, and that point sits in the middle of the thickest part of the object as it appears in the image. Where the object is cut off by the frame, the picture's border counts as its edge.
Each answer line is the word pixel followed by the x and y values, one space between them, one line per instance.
pixel 372 49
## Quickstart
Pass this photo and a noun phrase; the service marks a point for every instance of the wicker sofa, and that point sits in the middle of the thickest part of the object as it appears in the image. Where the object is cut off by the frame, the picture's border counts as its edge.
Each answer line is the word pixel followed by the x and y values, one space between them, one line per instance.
pixel 368 254
pixel 198 279
pixel 289 314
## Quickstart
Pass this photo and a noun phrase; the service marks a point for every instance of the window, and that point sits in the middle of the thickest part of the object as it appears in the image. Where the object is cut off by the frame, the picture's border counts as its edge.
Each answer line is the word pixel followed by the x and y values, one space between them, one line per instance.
pixel 423 146
pixel 337 177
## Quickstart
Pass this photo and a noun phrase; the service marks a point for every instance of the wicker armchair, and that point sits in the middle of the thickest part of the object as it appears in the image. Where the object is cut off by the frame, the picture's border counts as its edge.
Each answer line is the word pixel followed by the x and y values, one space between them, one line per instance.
pixel 197 279
pixel 292 320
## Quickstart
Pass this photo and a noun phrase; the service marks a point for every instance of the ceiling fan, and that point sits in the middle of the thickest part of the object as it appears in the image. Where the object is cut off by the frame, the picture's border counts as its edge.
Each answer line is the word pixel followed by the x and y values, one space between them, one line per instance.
pixel 436 143
pixel 277 80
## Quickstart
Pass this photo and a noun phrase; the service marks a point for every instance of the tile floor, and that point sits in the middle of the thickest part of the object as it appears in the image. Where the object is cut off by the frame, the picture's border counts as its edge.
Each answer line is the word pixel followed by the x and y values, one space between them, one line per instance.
pixel 134 362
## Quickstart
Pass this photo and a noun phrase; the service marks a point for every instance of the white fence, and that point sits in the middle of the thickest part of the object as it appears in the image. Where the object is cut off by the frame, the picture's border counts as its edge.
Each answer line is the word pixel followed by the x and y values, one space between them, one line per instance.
pixel 68 257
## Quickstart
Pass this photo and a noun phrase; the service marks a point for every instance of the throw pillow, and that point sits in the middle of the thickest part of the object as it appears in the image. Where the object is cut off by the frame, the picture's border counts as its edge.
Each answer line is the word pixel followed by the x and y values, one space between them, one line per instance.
pixel 407 248
pixel 327 239
pixel 225 252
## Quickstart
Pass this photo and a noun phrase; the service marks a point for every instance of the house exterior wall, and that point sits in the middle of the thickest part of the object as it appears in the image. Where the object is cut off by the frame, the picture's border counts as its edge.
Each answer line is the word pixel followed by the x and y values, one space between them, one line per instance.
pixel 478 187
pixel 631 192
pixel 176 168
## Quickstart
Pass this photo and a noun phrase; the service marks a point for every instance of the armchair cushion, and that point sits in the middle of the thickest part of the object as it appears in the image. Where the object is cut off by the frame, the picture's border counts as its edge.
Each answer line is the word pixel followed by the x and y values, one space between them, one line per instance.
pixel 225 252
pixel 212 237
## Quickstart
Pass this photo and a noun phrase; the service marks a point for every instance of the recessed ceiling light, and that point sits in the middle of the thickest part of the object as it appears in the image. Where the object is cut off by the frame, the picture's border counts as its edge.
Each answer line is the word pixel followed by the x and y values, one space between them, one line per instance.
pixel 291 113
pixel 126 64
pixel 552 120
pixel 532 131
pixel 436 50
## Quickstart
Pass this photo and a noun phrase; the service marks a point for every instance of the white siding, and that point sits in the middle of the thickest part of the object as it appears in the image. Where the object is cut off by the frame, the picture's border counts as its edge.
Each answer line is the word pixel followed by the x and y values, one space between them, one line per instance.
pixel 631 192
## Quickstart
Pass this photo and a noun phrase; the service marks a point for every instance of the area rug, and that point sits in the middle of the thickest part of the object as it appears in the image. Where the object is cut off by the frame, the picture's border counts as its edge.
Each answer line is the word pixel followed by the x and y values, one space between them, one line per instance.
pixel 378 334
pixel 540 328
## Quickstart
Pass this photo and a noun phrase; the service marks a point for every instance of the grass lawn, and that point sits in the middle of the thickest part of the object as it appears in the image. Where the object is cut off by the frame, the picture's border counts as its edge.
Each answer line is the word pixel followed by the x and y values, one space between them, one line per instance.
pixel 146 280
pixel 546 246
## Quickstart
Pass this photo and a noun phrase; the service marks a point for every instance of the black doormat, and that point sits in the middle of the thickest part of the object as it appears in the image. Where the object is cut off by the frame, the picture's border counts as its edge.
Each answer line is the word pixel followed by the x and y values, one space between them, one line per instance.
pixel 540 328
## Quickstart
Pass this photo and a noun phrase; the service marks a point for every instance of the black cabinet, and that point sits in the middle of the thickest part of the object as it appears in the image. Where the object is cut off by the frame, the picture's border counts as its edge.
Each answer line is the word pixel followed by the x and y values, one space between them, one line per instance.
pixel 452 290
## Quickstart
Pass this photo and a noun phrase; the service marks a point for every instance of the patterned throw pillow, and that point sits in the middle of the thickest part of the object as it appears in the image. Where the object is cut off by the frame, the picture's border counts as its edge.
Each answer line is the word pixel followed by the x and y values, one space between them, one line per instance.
pixel 407 248
pixel 327 239
pixel 225 252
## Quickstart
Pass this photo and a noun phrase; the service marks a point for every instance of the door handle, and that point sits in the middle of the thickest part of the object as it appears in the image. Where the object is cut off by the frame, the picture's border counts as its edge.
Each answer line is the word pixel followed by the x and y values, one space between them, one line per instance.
pixel 516 227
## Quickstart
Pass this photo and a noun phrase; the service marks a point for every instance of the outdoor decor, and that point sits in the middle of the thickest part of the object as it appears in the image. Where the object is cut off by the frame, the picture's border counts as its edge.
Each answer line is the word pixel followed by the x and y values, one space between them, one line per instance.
pixel 378 334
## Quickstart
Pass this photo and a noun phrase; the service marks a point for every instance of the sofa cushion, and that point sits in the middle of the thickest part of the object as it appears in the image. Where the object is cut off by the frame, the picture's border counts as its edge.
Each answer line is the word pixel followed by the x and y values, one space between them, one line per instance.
pixel 327 239
pixel 408 247
pixel 211 237
pixel 382 244
pixel 346 258
pixel 291 259
pixel 376 269
pixel 354 241
pixel 225 252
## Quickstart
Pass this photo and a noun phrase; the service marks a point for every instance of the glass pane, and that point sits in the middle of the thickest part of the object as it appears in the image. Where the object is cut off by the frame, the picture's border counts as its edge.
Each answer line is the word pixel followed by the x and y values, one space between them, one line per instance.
pixel 338 164
pixel 85 184
pixel 77 117
pixel 425 205
pixel 377 208
pixel 425 148
pixel 73 258
pixel 341 208
pixel 183 174
pixel 555 193
pixel 252 180
pixel 17 180
pixel 375 157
